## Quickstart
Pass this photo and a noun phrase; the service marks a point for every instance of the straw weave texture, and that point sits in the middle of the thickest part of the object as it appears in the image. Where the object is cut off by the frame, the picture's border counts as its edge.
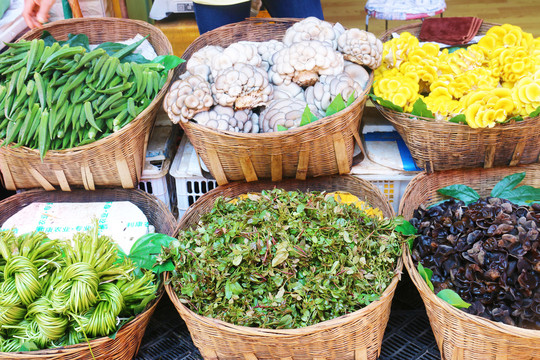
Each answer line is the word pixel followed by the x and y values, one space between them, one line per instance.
pixel 324 147
pixel 116 160
pixel 441 145
pixel 357 335
pixel 460 335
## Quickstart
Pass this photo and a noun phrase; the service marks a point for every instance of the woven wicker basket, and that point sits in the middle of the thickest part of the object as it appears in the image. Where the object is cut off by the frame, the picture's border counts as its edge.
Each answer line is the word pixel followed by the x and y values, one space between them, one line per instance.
pixel 357 335
pixel 460 335
pixel 441 145
pixel 324 147
pixel 128 339
pixel 116 160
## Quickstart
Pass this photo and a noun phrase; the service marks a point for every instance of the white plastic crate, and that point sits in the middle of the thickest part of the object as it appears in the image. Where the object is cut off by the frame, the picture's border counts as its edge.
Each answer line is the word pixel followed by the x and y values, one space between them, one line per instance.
pixel 160 184
pixel 189 181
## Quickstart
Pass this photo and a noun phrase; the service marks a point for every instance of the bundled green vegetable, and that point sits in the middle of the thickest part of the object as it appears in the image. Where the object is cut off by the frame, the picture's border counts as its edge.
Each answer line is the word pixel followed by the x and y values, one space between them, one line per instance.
pixel 284 259
pixel 56 293
pixel 61 96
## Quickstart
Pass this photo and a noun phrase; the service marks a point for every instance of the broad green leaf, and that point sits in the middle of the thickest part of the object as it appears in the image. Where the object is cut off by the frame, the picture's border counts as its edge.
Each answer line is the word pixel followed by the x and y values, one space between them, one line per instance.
pixel 507 183
pixel 522 195
pixel 406 228
pixel 48 38
pixel 28 346
pixel 123 322
pixel 169 61
pixel 459 119
pixel 351 99
pixel 451 297
pixel 236 288
pixel 535 113
pixel 386 103
pixel 281 128
pixel 142 305
pixel 515 118
pixel 336 105
pixel 111 48
pixel 426 274
pixel 228 290
pixel 420 109
pixel 307 117
pixel 237 260
pixel 146 249
pixel 77 40
pixel 460 192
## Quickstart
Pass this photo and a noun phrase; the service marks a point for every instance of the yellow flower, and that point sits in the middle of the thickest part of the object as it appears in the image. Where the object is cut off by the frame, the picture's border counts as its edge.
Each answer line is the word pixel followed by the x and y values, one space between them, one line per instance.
pixel 395 51
pixel 526 94
pixel 400 89
pixel 349 199
pixel 485 108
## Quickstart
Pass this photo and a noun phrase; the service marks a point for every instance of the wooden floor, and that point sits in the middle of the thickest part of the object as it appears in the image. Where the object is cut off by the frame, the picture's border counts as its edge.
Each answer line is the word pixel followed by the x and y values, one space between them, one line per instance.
pixel 523 13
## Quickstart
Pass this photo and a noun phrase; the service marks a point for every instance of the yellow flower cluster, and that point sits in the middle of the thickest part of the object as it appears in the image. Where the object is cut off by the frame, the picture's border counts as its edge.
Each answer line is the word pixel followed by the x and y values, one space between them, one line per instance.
pixel 485 108
pixel 400 89
pixel 526 93
pixel 348 198
pixel 489 82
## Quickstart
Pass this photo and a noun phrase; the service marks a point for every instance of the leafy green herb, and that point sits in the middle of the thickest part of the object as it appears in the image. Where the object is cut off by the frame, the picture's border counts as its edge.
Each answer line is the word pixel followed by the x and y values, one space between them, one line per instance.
pixel 451 297
pixel 386 103
pixel 168 61
pixel 420 109
pixel 461 192
pixel 336 105
pixel 307 117
pixel 283 259
pixel 426 274
pixel 146 250
pixel 459 119
pixel 407 229
pixel 535 113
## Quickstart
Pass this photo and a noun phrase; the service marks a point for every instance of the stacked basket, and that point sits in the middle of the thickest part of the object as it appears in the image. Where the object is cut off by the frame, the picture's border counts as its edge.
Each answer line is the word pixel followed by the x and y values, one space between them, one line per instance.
pixel 324 147
pixel 116 160
pixel 357 335
pixel 442 145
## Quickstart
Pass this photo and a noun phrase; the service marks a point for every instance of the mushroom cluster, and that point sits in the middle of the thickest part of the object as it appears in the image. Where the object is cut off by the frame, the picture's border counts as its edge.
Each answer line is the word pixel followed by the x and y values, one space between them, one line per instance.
pixel 255 86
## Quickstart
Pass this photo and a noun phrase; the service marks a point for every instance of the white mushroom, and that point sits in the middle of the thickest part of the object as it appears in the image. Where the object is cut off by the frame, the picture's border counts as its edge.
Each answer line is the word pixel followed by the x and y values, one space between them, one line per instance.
pixel 361 47
pixel 225 118
pixel 284 112
pixel 266 50
pixel 188 97
pixel 328 87
pixel 236 53
pixel 242 86
pixel 357 72
pixel 304 61
pixel 291 90
pixel 312 28
pixel 199 62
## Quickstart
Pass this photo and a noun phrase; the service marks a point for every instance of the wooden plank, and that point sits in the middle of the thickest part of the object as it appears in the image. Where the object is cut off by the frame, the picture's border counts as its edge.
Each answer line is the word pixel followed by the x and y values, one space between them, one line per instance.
pixel 518 152
pixel 277 167
pixel 303 163
pixel 457 354
pixel 9 183
pixel 250 356
pixel 208 354
pixel 360 354
pixel 216 168
pixel 88 178
pixel 40 178
pixel 62 180
pixel 490 156
pixel 123 172
pixel 248 169
pixel 341 154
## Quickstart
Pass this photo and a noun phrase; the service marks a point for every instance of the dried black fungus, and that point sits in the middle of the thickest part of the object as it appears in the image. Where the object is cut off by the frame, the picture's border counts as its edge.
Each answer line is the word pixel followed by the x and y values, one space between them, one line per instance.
pixel 488 253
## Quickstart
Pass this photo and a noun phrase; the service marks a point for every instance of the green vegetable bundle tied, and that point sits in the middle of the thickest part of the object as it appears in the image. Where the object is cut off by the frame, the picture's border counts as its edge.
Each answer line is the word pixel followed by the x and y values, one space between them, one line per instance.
pixel 57 293
pixel 57 97
pixel 283 259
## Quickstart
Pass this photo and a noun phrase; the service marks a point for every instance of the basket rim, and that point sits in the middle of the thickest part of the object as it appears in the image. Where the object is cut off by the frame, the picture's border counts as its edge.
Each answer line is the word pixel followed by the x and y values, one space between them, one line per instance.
pixel 135 122
pixel 462 315
pixel 305 330
pixel 290 132
pixel 399 29
pixel 498 126
pixel 44 353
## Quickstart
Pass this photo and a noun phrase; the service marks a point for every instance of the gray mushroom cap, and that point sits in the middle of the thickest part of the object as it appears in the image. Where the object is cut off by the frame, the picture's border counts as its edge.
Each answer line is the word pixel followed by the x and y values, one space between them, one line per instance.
pixel 329 86
pixel 312 28
pixel 199 62
pixel 188 97
pixel 242 86
pixel 226 118
pixel 361 47
pixel 284 112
